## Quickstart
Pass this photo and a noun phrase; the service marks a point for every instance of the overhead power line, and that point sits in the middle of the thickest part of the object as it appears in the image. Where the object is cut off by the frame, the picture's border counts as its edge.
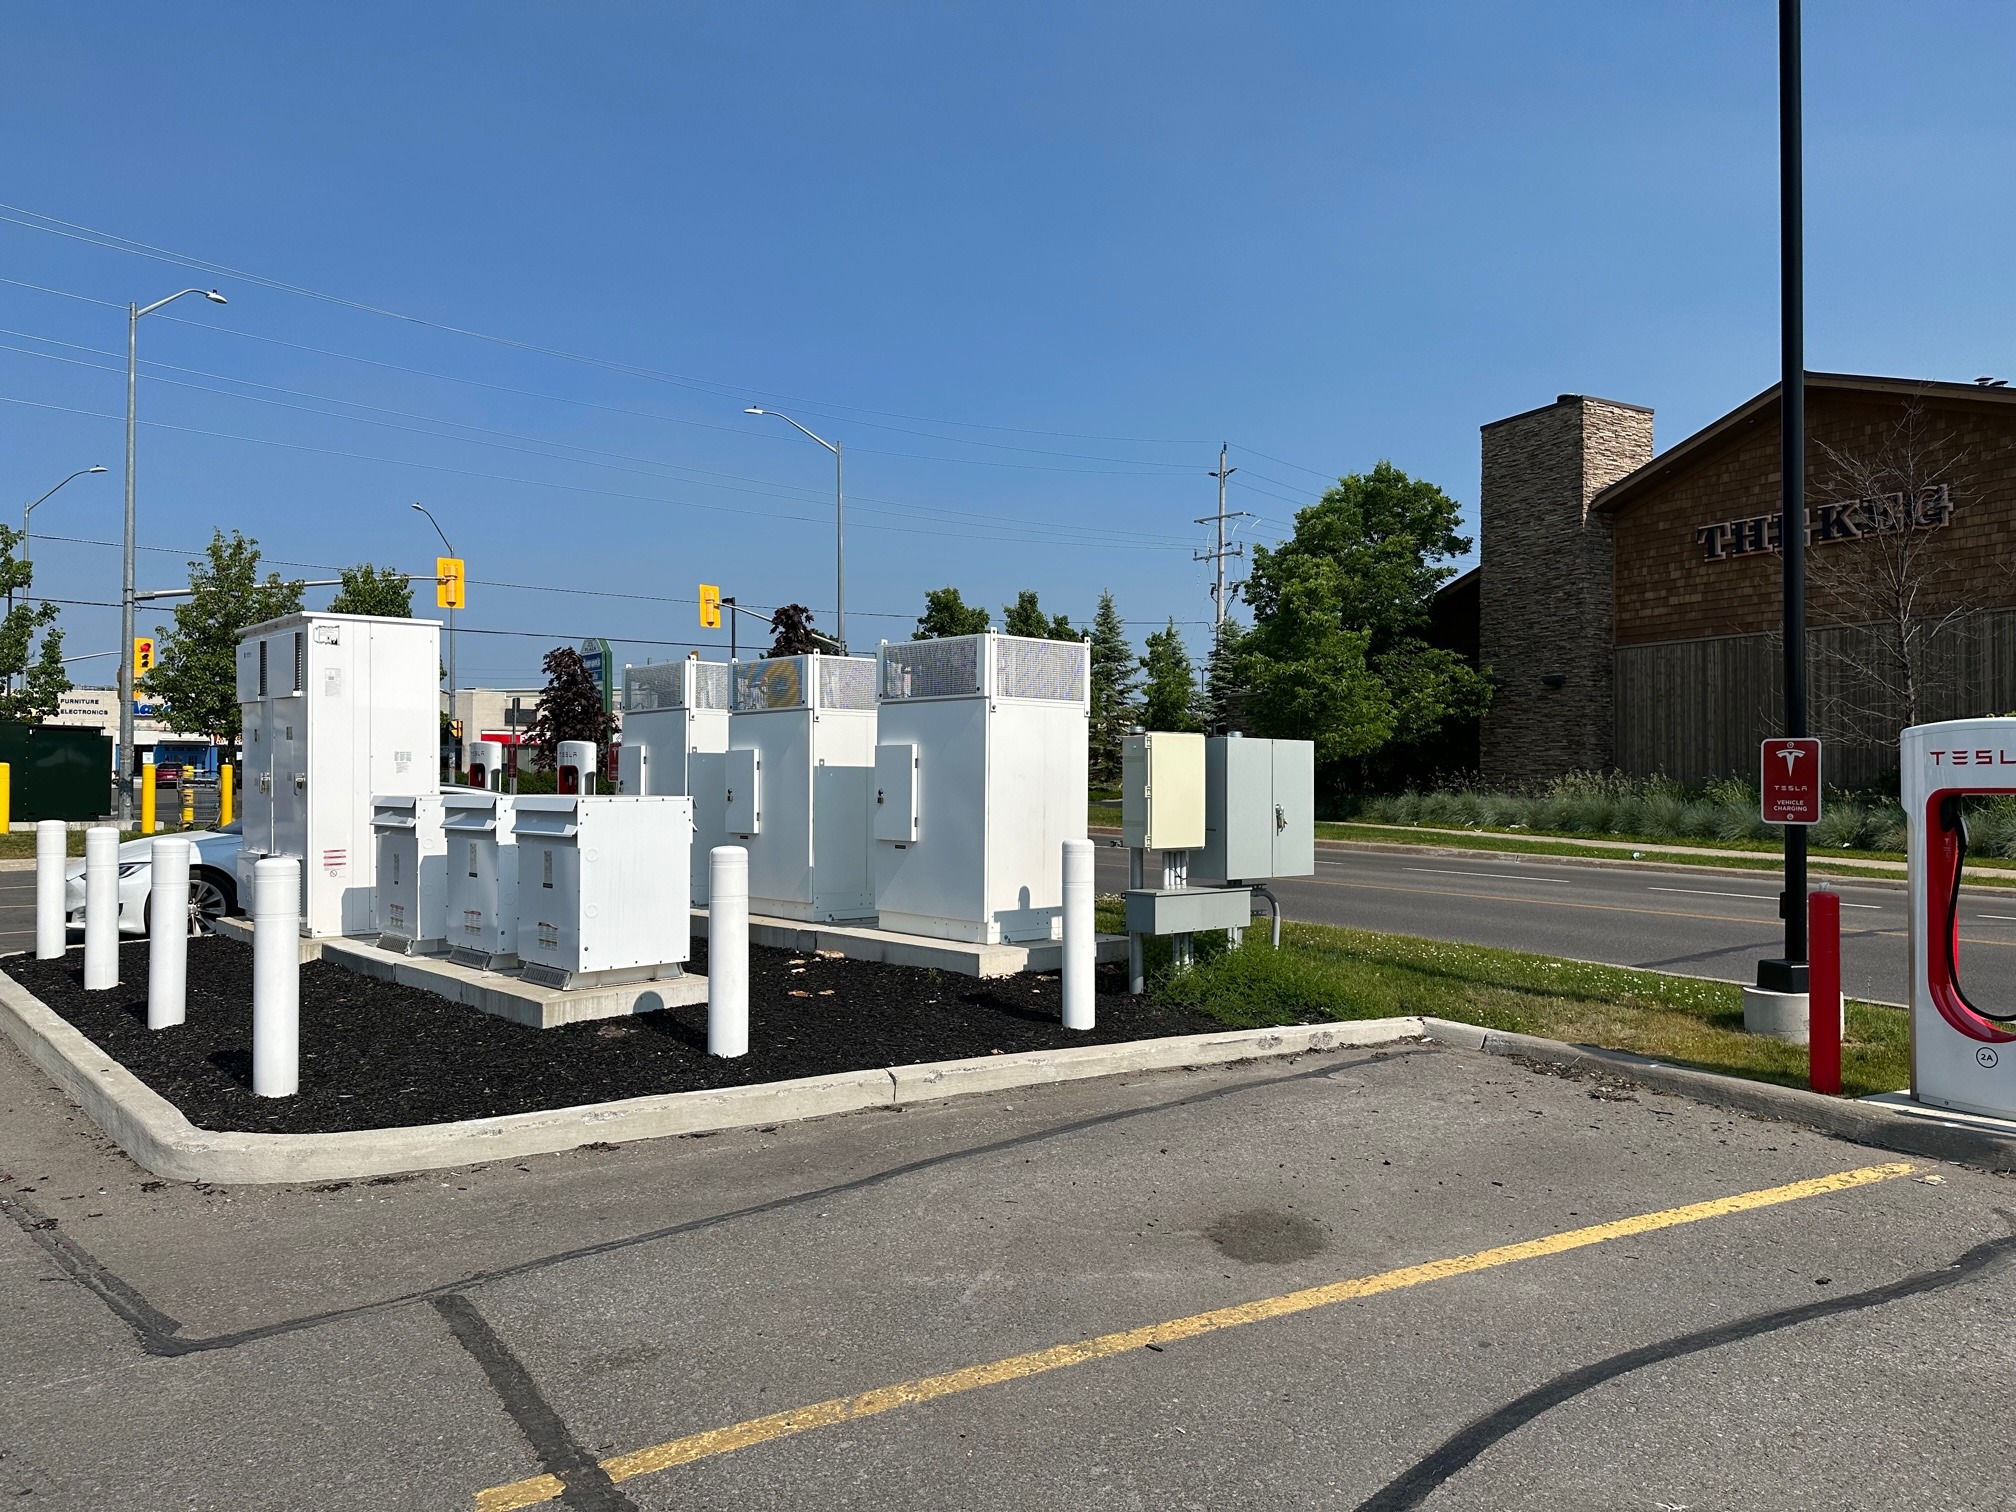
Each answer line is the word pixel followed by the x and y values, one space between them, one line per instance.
pixel 35 220
pixel 1068 532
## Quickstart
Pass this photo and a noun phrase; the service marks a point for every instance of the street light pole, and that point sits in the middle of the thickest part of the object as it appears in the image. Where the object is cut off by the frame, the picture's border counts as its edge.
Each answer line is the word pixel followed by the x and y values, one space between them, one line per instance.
pixel 1789 974
pixel 28 510
pixel 839 522
pixel 134 313
pixel 451 610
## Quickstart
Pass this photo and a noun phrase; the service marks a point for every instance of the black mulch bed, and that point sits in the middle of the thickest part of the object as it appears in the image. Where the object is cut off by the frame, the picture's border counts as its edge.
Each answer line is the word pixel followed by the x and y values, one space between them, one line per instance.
pixel 376 1055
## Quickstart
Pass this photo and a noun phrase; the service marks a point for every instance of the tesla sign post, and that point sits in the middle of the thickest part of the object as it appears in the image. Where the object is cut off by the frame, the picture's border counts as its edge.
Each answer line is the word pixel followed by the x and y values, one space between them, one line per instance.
pixel 1791 784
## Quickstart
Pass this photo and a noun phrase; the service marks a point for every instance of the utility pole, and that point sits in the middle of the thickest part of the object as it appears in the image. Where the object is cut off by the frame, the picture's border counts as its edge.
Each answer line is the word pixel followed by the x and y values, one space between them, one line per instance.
pixel 1218 554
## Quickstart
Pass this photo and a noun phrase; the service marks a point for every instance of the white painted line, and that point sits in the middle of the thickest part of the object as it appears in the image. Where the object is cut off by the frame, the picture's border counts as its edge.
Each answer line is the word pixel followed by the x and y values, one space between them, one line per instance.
pixel 1697 892
pixel 1432 871
pixel 2003 918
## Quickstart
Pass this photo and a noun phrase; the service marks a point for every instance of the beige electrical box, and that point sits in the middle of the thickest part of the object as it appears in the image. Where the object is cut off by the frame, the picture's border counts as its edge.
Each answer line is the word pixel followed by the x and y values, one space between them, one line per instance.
pixel 1162 791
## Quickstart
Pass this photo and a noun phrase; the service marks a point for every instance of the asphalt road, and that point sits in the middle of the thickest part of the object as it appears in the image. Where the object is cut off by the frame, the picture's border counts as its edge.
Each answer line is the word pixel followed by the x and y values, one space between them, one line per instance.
pixel 1362 1280
pixel 1678 920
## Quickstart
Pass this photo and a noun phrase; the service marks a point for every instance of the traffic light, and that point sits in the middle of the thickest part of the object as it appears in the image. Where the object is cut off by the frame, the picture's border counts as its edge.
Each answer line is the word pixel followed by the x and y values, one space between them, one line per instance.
pixel 450 586
pixel 143 656
pixel 710 607
pixel 455 730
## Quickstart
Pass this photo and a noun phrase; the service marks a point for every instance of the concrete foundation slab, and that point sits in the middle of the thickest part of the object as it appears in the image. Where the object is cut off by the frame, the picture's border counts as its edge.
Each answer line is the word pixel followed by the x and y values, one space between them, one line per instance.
pixel 241 931
pixel 861 942
pixel 513 997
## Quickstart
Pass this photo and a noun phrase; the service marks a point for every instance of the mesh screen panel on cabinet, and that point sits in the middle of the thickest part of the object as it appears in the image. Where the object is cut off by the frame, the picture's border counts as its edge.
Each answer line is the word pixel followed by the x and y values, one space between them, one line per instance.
pixel 846 682
pixel 710 685
pixel 659 686
pixel 1041 669
pixel 931 668
pixel 777 682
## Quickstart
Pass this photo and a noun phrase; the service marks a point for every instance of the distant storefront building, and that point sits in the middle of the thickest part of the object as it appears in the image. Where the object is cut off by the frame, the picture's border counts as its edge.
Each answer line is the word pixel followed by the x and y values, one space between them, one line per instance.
pixel 1628 605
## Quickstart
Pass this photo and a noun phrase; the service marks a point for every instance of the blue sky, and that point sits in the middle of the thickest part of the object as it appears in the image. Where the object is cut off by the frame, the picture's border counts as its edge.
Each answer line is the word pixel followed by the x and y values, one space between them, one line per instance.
pixel 1031 264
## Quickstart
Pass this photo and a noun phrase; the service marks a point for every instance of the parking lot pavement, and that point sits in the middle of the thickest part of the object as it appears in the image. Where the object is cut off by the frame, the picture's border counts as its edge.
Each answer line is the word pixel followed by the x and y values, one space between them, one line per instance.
pixel 1386 1279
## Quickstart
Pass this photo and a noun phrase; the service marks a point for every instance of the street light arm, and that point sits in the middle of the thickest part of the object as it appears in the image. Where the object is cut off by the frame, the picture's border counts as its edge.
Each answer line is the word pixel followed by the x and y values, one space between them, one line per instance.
pixel 437 526
pixel 789 421
pixel 210 294
pixel 29 509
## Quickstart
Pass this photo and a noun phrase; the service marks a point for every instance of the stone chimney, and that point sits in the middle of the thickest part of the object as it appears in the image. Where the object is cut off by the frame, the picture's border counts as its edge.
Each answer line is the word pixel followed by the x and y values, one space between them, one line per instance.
pixel 1545 607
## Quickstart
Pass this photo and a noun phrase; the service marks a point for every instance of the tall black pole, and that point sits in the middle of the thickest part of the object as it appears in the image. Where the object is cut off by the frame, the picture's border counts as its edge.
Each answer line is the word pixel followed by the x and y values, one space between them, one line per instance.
pixel 1789 975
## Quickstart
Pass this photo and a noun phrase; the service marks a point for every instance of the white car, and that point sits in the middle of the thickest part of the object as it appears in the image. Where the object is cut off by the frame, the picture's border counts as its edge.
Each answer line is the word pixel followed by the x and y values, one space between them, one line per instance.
pixel 213 884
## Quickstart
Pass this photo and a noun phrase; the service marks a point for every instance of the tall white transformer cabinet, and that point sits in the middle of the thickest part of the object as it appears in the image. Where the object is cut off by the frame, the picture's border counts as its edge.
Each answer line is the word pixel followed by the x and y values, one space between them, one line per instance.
pixel 338 709
pixel 794 785
pixel 672 711
pixel 980 778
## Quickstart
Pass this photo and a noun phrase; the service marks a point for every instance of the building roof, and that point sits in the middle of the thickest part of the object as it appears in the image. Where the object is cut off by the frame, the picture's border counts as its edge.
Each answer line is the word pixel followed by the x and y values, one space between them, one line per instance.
pixel 1763 410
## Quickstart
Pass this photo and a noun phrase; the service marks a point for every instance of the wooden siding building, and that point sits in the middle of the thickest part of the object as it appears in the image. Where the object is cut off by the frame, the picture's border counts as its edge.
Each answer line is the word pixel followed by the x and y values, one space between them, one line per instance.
pixel 1632 621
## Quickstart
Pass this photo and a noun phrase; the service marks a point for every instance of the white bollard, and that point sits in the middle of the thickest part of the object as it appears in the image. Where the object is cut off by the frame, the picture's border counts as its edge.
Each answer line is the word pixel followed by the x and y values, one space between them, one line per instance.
pixel 168 934
pixel 276 976
pixel 1081 946
pixel 728 951
pixel 52 926
pixel 101 907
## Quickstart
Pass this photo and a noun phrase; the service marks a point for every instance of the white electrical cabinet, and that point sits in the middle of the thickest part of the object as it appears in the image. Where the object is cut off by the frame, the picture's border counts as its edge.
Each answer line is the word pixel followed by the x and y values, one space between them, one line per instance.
pixel 602 887
pixel 482 878
pixel 411 892
pixel 1259 810
pixel 1162 791
pixel 794 786
pixel 675 725
pixel 671 711
pixel 338 709
pixel 980 778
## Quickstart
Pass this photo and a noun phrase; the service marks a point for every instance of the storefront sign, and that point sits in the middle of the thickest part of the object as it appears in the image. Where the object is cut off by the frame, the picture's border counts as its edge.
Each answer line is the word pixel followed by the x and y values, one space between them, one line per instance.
pixel 1848 520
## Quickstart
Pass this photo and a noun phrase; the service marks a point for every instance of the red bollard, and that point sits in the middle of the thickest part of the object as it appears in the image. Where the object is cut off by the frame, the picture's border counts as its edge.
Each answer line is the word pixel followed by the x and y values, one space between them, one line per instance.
pixel 1823 998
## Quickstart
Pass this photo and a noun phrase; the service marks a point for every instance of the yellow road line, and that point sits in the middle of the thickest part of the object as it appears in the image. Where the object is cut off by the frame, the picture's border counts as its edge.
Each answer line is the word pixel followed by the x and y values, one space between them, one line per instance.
pixel 797 1420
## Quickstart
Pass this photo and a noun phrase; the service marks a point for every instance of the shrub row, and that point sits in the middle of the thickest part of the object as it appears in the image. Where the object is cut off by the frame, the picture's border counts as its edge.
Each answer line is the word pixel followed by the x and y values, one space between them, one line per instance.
pixel 1657 808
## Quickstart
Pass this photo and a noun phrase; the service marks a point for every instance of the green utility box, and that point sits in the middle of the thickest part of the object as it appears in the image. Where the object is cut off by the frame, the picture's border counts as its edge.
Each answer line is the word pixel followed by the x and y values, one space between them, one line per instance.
pixel 56 772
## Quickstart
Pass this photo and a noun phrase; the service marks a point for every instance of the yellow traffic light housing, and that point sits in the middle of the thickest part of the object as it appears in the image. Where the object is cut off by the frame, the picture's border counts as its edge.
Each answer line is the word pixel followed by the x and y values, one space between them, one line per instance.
pixel 143 656
pixel 710 607
pixel 451 589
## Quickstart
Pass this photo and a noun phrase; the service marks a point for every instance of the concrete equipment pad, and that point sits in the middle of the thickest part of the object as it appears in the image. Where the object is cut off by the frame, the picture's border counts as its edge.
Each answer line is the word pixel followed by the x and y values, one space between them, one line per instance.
pixel 863 942
pixel 513 997
pixel 240 929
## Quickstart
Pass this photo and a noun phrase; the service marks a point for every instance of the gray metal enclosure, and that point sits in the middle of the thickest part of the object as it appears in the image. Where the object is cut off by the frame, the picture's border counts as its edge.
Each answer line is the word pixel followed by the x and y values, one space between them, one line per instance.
pixel 1259 810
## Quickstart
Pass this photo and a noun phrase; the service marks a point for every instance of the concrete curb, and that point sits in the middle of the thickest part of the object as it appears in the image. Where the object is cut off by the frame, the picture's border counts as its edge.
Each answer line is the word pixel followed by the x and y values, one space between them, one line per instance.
pixel 1843 1118
pixel 154 1133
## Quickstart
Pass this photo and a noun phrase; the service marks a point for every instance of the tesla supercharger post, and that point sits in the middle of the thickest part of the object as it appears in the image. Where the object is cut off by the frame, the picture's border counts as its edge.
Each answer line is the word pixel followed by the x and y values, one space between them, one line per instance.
pixel 575 767
pixel 1963 1015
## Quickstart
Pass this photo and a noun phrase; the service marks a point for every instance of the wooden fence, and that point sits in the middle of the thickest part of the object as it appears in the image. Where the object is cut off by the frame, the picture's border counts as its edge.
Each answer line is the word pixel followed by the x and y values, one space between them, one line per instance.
pixel 1696 710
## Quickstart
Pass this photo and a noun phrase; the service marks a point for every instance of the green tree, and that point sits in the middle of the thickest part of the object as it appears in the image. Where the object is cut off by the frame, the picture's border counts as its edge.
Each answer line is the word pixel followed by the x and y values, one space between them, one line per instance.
pixel 570 708
pixel 1169 701
pixel 1336 653
pixel 42 681
pixel 196 664
pixel 1026 617
pixel 1225 680
pixel 946 613
pixel 373 590
pixel 1114 681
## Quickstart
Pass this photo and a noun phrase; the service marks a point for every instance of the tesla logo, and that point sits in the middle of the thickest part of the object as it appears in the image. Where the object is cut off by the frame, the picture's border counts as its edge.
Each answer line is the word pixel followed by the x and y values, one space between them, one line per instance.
pixel 1791 755
pixel 1972 758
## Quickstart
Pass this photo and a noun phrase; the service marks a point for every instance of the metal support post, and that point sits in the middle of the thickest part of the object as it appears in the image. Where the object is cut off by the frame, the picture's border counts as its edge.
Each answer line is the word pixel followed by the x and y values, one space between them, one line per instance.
pixel 1081 949
pixel 276 976
pixel 52 930
pixel 728 951
pixel 1137 981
